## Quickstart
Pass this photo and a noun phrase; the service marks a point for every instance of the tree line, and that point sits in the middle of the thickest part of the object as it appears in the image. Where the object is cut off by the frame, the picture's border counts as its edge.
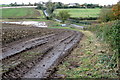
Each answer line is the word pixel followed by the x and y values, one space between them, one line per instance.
pixel 60 5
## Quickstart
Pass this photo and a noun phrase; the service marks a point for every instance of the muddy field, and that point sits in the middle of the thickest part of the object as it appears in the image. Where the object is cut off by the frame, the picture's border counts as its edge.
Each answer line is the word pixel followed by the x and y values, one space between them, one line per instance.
pixel 31 52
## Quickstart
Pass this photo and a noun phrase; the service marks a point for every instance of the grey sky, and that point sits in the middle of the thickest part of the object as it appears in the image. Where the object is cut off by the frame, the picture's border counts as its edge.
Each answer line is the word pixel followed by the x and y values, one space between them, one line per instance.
pixel 101 2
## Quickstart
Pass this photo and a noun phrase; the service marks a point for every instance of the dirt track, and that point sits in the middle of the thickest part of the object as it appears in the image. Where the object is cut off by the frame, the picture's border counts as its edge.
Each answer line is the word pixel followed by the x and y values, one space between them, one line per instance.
pixel 46 53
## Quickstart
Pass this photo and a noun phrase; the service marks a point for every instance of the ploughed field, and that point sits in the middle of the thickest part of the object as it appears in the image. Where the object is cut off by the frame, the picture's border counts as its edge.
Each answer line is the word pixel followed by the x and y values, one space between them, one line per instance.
pixel 31 52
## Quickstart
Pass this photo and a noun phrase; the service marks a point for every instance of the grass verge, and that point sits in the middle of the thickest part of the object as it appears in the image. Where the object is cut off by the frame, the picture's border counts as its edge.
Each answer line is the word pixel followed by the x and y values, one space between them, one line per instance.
pixel 89 60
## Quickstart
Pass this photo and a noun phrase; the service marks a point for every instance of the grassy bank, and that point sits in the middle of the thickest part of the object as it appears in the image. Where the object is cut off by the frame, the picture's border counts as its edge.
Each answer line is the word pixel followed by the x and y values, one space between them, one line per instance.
pixel 109 33
pixel 21 13
pixel 89 60
pixel 75 12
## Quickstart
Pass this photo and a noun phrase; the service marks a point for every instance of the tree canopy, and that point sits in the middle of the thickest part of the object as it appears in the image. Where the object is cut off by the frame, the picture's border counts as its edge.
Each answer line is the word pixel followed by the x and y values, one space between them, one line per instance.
pixel 116 10
pixel 63 15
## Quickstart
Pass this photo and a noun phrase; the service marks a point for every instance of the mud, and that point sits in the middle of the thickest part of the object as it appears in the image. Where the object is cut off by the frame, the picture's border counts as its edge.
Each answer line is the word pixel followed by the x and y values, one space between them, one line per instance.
pixel 51 50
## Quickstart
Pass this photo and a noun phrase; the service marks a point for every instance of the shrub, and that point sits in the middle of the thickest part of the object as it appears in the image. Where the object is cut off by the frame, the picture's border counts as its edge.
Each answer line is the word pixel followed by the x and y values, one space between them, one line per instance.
pixel 106 15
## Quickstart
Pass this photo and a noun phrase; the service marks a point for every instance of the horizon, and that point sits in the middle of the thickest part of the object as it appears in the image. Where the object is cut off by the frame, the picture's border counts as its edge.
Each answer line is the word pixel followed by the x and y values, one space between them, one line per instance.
pixel 100 2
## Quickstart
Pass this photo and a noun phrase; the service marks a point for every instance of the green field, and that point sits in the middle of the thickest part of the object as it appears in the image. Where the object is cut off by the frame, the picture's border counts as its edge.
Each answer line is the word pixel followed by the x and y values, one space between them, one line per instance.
pixel 21 13
pixel 4 5
pixel 75 12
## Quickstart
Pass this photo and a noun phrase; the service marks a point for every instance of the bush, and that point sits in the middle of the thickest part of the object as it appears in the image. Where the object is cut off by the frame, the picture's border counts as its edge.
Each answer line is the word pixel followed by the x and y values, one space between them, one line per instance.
pixel 106 15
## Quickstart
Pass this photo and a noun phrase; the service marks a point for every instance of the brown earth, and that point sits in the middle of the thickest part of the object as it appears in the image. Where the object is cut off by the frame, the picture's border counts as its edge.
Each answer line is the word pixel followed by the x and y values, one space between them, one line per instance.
pixel 31 52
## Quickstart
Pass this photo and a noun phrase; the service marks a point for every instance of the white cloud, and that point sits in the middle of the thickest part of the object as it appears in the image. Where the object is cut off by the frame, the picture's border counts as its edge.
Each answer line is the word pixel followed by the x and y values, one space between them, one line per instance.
pixel 101 2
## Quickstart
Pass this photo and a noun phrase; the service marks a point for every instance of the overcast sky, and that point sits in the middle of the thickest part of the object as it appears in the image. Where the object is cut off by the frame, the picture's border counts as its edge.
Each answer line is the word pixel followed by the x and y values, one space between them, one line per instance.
pixel 101 2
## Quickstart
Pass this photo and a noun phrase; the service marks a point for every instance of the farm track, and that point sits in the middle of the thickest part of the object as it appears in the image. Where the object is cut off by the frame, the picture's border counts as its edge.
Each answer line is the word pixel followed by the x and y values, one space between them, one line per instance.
pixel 47 65
pixel 17 48
pixel 51 50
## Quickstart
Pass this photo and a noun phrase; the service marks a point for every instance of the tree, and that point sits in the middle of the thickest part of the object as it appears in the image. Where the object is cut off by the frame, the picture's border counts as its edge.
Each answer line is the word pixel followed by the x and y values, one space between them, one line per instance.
pixel 11 4
pixel 63 15
pixel 50 7
pixel 116 10
pixel 58 5
pixel 35 4
pixel 40 6
pixel 29 4
pixel 15 4
pixel 77 5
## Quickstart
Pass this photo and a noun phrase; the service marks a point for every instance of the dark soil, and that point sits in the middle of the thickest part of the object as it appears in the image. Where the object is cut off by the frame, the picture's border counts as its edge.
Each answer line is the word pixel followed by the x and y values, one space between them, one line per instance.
pixel 36 51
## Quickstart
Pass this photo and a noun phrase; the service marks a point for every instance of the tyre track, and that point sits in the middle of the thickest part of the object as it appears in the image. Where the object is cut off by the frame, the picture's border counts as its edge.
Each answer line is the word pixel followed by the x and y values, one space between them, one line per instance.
pixel 55 48
pixel 44 68
pixel 52 41
pixel 17 48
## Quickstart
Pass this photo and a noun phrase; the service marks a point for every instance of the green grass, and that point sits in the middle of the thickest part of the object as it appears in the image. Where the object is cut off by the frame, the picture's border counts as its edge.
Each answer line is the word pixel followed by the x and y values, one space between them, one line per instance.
pixel 75 12
pixel 4 5
pixel 21 13
pixel 64 28
pixel 41 13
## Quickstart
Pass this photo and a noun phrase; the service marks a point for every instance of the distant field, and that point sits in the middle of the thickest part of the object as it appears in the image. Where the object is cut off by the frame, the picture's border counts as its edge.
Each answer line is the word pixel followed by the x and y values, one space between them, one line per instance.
pixel 4 5
pixel 75 12
pixel 21 13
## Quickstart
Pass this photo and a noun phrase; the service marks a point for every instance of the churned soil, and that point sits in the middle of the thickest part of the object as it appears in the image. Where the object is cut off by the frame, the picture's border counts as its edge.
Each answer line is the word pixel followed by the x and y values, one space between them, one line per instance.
pixel 31 52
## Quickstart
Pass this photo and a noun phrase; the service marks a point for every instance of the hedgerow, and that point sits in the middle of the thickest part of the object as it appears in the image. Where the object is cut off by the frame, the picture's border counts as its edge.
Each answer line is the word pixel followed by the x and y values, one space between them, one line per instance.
pixel 109 33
